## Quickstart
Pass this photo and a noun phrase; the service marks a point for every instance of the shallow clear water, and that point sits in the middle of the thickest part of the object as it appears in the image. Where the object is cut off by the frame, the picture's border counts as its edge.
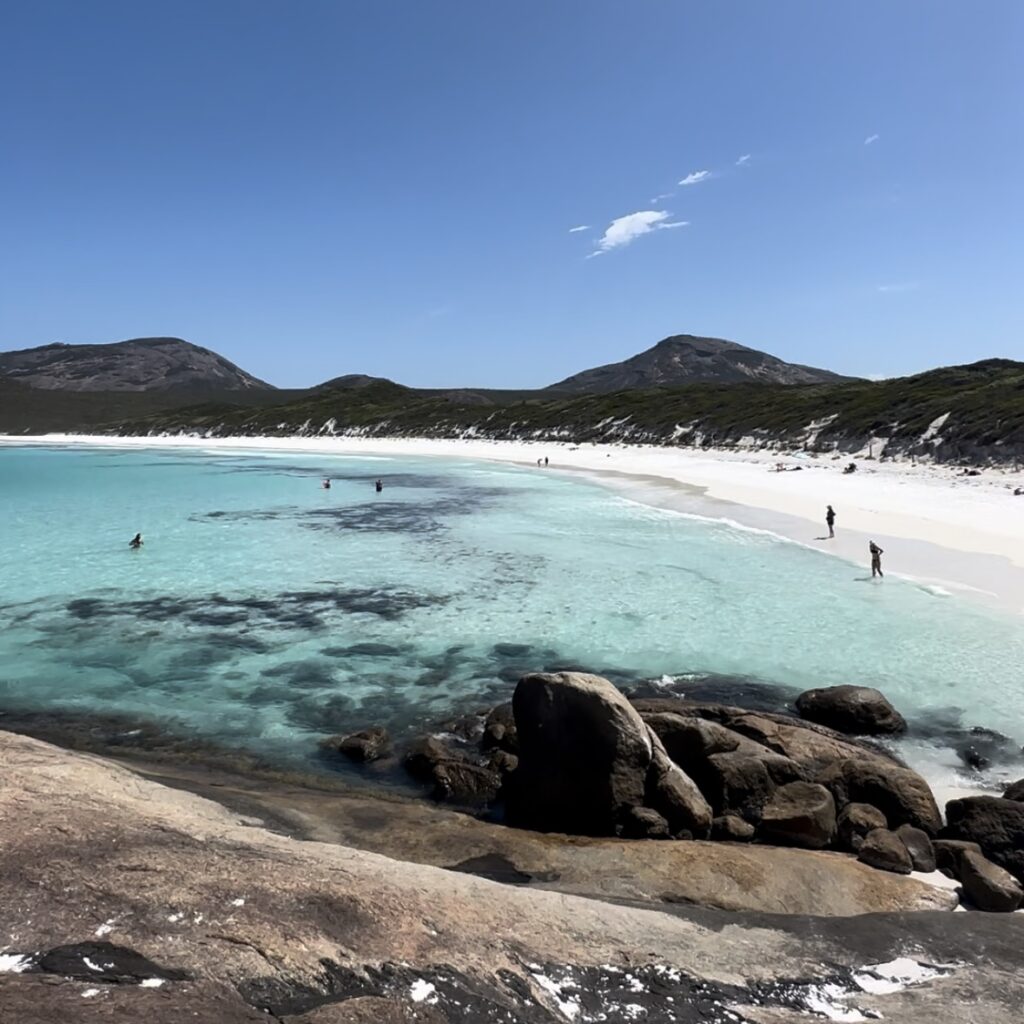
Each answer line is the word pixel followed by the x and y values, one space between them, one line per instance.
pixel 265 612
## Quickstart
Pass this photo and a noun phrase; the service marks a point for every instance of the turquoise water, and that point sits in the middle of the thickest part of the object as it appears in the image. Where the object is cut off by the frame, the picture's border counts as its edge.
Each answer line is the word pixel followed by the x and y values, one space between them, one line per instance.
pixel 265 612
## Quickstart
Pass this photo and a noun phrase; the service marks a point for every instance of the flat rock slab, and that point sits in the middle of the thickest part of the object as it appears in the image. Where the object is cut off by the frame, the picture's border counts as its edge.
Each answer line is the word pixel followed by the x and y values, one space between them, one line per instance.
pixel 241 922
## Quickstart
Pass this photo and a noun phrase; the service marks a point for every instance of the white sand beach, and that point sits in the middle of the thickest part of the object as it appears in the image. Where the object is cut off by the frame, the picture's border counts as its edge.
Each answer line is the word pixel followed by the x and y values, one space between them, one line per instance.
pixel 937 526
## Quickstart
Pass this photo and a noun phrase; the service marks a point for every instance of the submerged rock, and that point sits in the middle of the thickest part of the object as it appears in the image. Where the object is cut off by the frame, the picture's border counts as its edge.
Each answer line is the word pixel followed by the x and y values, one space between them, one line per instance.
pixel 884 850
pixel 988 886
pixel 855 821
pixel 365 746
pixel 800 814
pixel 858 710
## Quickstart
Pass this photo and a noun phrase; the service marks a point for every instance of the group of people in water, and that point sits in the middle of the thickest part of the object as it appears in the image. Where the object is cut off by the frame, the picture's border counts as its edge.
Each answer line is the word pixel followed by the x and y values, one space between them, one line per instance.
pixel 378 485
pixel 873 549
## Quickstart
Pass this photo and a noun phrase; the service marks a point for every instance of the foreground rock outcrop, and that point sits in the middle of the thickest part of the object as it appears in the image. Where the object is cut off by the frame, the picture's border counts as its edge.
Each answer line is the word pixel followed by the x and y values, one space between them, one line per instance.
pixel 121 899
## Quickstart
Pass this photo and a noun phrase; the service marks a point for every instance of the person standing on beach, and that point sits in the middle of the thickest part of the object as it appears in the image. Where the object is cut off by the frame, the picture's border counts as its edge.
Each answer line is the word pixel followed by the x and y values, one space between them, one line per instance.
pixel 876 559
pixel 830 520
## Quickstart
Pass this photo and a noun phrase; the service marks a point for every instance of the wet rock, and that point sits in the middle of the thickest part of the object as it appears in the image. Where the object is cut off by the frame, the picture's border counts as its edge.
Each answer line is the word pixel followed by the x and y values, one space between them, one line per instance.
pixel 365 746
pixel 855 821
pixel 899 793
pixel 643 823
pixel 799 814
pixel 884 850
pixel 1015 791
pixel 858 710
pixel 584 752
pixel 502 761
pixel 737 783
pixel 980 748
pixel 425 754
pixel 988 886
pixel 500 730
pixel 731 828
pixel 949 853
pixel 465 784
pixel 674 795
pixel 919 846
pixel 994 823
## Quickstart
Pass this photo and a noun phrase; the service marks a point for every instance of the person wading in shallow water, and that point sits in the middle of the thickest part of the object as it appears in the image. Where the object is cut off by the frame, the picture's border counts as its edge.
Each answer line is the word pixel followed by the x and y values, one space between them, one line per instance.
pixel 876 559
pixel 379 486
pixel 830 521
pixel 136 542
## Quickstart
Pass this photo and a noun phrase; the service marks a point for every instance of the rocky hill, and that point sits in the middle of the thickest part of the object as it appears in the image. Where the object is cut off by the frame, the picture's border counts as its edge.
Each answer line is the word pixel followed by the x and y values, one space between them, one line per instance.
pixel 687 359
pixel 141 364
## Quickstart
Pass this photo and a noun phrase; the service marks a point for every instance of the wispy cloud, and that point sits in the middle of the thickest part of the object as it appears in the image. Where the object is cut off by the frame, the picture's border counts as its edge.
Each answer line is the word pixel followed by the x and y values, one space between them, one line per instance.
pixel 871 138
pixel 695 177
pixel 662 195
pixel 742 160
pixel 624 230
pixel 579 227
pixel 900 286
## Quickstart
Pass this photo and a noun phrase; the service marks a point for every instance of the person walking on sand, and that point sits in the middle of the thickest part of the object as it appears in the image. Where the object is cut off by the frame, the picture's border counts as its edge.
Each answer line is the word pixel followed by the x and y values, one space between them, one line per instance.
pixel 830 520
pixel 876 559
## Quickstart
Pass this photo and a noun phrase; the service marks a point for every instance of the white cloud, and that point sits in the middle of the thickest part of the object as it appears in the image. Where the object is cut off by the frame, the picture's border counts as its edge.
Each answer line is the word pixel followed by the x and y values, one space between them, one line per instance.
pixel 899 286
pixel 742 160
pixel 624 230
pixel 662 195
pixel 694 177
pixel 579 227
pixel 871 138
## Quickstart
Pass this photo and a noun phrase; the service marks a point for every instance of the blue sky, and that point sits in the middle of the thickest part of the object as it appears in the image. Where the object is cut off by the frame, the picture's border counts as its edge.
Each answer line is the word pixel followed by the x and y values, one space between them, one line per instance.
pixel 386 187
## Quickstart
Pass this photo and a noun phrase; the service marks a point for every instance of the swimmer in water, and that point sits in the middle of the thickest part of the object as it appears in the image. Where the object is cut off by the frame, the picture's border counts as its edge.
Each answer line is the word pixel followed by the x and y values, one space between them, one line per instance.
pixel 136 542
pixel 326 485
pixel 379 486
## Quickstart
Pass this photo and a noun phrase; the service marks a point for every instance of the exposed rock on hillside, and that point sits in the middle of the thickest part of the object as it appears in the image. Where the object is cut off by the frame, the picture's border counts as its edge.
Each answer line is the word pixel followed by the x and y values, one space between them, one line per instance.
pixel 687 359
pixel 141 364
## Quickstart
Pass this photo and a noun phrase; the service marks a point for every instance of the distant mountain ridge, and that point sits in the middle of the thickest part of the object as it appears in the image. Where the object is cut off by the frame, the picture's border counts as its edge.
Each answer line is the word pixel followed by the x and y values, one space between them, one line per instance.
pixel 139 364
pixel 688 359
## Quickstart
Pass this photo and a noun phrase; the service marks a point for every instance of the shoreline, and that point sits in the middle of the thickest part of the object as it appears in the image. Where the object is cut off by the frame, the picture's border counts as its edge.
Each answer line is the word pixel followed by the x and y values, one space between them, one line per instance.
pixel 940 529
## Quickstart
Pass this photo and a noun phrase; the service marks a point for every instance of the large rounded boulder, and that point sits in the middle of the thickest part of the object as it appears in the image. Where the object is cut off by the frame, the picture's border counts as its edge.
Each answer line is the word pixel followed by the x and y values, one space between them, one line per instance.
pixel 857 710
pixel 995 824
pixel 799 814
pixel 584 754
pixel 899 793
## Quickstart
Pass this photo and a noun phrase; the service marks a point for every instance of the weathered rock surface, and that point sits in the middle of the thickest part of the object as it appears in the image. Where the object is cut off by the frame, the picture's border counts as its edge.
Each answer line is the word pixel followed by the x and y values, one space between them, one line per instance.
pixel 247 924
pixel 995 824
pixel 584 752
pixel 884 850
pixel 855 821
pixel 919 846
pixel 675 796
pixel 643 823
pixel 465 784
pixel 737 783
pixel 899 793
pixel 859 710
pixel 800 814
pixel 988 886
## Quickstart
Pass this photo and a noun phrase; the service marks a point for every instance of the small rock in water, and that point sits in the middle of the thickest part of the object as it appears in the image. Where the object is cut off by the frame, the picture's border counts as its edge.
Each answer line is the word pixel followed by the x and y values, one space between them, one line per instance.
pixel 919 846
pixel 858 710
pixel 988 886
pixel 365 746
pixel 855 822
pixel 884 850
pixel 800 814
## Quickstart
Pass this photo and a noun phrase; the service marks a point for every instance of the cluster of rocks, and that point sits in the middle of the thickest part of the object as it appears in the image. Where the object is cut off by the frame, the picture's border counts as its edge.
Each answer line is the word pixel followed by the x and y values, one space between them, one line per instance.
pixel 572 754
